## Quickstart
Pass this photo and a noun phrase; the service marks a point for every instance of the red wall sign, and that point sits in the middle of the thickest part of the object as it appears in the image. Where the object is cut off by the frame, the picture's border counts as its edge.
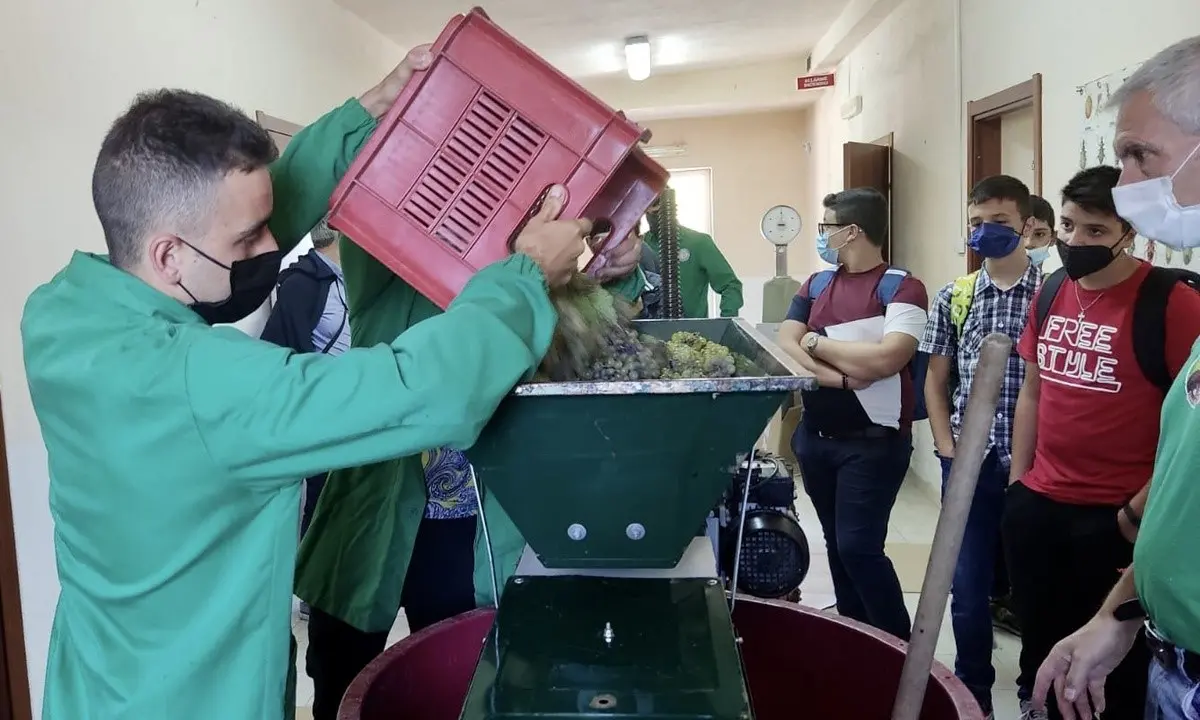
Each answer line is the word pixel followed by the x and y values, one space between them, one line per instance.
pixel 809 82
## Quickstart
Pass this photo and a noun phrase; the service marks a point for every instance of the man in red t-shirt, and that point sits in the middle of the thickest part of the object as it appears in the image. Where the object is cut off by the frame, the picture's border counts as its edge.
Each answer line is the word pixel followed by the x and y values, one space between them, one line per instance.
pixel 1085 434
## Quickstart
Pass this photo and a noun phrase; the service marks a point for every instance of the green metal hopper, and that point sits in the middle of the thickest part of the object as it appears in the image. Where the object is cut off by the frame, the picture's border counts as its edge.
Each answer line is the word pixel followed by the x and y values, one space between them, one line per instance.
pixel 622 474
pixel 622 613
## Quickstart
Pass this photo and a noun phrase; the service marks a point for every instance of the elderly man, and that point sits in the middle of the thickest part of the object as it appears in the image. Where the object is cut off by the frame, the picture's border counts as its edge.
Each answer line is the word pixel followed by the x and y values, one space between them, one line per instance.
pixel 1158 141
pixel 176 449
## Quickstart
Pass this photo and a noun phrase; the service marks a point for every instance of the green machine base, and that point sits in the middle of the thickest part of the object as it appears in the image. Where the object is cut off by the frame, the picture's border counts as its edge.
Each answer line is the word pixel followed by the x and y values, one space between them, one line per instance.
pixel 591 647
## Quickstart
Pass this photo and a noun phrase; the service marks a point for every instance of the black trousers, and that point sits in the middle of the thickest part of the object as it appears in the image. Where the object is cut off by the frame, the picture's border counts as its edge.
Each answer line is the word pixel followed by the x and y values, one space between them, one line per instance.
pixel 1062 562
pixel 439 585
pixel 853 486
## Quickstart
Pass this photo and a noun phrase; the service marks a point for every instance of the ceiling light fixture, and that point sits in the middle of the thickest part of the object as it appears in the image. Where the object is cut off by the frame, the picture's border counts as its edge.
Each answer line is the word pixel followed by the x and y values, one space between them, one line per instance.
pixel 637 57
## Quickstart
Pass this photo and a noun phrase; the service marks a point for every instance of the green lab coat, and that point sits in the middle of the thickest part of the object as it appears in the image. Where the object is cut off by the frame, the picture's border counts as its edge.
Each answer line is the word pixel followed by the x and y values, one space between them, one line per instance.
pixel 355 556
pixel 701 264
pixel 176 453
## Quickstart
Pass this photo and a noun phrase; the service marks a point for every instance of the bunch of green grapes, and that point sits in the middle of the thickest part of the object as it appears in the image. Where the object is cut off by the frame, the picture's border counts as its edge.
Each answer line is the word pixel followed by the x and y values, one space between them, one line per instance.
pixel 694 356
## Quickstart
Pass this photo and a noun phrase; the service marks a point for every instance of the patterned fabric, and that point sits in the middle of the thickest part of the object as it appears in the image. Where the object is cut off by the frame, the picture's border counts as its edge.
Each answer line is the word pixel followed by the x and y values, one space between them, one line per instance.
pixel 992 311
pixel 451 492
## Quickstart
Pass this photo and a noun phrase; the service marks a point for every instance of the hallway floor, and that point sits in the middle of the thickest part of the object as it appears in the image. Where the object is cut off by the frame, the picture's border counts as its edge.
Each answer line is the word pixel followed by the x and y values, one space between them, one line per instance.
pixel 909 536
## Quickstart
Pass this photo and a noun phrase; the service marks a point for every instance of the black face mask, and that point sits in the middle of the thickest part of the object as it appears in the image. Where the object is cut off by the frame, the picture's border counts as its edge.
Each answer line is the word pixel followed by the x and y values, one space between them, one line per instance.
pixel 1082 260
pixel 250 283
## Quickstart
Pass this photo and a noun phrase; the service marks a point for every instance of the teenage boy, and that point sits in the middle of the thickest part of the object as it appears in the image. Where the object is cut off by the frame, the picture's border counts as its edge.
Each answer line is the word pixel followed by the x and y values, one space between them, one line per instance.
pixel 1039 234
pixel 994 299
pixel 1105 339
pixel 856 328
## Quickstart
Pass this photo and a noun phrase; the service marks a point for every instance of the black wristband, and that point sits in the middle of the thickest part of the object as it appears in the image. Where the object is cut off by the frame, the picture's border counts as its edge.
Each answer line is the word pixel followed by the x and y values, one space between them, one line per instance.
pixel 1131 516
pixel 1129 610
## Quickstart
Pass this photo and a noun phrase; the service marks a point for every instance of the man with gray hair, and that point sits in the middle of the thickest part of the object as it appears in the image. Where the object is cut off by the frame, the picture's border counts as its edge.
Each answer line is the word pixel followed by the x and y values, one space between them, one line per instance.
pixel 1158 142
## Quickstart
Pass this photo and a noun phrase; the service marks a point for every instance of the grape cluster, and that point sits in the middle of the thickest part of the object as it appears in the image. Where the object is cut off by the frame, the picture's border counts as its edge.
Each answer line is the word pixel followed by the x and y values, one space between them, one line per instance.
pixel 624 356
pixel 595 341
pixel 694 356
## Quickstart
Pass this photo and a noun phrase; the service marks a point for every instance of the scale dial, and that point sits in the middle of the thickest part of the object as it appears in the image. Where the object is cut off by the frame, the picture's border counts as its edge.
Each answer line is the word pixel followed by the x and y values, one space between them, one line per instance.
pixel 781 225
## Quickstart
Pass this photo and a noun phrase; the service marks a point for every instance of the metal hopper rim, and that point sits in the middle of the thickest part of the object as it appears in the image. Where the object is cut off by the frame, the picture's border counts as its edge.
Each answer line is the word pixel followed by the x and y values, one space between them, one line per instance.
pixel 785 375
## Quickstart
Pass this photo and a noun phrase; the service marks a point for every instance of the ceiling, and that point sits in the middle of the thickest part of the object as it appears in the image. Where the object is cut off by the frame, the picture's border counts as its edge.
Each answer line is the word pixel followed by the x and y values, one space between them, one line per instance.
pixel 585 38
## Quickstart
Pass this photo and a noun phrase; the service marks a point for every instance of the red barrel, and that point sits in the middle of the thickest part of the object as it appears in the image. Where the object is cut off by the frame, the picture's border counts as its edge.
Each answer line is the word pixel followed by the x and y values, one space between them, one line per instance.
pixel 800 663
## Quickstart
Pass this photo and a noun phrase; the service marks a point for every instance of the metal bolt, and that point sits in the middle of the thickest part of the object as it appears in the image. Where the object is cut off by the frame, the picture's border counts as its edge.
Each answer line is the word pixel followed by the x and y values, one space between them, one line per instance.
pixel 518 581
pixel 576 532
pixel 712 583
pixel 635 531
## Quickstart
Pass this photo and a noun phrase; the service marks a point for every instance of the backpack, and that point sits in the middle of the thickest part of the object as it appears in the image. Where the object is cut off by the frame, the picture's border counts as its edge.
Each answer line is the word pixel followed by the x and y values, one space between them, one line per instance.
pixel 962 294
pixel 885 291
pixel 1149 317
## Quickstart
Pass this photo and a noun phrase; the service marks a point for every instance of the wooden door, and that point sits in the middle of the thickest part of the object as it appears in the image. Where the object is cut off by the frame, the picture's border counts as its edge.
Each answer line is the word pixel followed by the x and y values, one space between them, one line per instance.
pixel 870 165
pixel 281 131
pixel 14 677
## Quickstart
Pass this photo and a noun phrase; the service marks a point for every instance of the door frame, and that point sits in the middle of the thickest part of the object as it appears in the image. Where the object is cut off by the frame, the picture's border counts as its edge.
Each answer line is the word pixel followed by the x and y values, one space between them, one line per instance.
pixel 889 141
pixel 983 136
pixel 14 669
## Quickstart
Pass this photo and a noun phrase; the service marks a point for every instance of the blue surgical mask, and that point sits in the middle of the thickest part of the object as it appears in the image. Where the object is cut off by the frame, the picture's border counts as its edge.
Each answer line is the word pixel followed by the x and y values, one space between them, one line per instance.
pixel 826 253
pixel 1037 256
pixel 993 240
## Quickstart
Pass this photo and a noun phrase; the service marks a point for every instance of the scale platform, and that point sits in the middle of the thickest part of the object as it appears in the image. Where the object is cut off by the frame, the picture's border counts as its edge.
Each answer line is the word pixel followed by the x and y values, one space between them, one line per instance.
pixel 616 610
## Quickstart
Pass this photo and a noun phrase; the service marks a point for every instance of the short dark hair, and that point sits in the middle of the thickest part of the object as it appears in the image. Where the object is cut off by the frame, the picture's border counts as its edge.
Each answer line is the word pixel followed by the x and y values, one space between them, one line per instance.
pixel 1002 187
pixel 1041 209
pixel 865 207
pixel 1091 189
pixel 160 162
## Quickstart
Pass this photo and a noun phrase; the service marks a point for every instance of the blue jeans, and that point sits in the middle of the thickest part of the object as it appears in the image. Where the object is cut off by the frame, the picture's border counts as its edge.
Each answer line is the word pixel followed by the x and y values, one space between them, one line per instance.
pixel 970 610
pixel 1171 695
pixel 853 486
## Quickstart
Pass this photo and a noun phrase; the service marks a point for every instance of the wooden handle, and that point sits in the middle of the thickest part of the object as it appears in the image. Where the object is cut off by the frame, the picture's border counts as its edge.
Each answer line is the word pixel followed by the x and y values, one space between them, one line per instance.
pixel 952 523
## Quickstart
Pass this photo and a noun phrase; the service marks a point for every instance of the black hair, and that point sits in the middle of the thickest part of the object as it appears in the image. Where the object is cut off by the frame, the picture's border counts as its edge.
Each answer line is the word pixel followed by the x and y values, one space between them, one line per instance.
pixel 865 207
pixel 1041 209
pixel 161 161
pixel 1002 187
pixel 1091 189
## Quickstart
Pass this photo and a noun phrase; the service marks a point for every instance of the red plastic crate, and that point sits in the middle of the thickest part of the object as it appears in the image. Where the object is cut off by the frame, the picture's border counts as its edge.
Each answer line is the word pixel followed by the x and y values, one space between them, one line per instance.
pixel 465 154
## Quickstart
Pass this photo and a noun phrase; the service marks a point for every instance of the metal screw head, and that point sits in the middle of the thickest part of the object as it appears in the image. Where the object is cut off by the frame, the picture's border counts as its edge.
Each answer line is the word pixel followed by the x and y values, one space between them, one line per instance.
pixel 576 532
pixel 518 581
pixel 635 531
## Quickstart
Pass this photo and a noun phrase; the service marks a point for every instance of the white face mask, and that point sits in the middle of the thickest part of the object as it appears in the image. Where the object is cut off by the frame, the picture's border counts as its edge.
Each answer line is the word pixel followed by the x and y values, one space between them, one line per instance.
pixel 1153 210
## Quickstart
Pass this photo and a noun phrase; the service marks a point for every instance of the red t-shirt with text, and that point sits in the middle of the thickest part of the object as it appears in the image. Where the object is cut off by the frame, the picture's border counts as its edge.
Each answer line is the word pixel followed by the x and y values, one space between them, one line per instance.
pixel 1098 415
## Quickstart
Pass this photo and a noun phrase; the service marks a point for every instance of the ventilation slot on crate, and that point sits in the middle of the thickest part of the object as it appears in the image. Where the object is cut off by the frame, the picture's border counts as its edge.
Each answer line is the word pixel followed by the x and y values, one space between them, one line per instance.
pixel 497 142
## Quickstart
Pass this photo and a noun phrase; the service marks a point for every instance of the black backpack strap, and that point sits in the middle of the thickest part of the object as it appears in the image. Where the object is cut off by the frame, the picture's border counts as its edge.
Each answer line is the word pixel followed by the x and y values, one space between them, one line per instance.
pixel 1150 322
pixel 1045 298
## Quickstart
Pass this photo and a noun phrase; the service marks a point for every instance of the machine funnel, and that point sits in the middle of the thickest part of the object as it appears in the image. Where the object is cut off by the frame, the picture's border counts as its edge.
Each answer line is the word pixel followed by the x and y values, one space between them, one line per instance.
pixel 622 474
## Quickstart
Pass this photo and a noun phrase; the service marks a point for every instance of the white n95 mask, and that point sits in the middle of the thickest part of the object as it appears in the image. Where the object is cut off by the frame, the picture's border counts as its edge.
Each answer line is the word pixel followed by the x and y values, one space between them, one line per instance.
pixel 1154 211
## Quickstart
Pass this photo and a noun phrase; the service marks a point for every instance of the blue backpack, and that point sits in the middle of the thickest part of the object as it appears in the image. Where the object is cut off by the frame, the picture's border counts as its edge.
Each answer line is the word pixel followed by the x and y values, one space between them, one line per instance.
pixel 885 291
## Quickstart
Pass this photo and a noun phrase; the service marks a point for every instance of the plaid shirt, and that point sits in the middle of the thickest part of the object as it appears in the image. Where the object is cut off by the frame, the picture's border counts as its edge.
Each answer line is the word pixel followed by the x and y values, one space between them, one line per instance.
pixel 992 311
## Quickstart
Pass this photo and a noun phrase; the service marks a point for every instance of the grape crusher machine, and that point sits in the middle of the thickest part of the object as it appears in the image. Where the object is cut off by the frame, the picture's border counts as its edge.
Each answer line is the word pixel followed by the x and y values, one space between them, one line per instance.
pixel 615 609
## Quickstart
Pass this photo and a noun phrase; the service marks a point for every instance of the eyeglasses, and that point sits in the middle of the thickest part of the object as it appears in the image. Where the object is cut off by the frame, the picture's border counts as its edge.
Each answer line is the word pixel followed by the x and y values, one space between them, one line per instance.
pixel 829 228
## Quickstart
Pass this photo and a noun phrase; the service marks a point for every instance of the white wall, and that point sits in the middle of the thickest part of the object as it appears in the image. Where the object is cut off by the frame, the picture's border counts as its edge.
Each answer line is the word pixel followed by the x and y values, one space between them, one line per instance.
pixel 67 69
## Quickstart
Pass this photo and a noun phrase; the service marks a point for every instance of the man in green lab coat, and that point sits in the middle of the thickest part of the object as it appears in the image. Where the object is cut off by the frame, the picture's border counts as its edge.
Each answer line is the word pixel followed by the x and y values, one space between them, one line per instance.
pixel 701 265
pixel 176 450
pixel 358 553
